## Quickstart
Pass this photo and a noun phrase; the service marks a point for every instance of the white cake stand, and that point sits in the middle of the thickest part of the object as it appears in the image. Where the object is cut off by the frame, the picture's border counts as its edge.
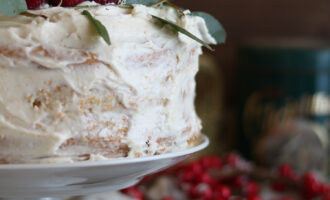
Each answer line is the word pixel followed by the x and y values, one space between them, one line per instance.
pixel 33 181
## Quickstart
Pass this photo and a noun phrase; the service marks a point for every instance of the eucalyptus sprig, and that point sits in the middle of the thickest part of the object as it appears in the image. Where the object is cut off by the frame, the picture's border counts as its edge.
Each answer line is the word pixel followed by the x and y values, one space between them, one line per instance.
pixel 182 30
pixel 85 6
pixel 143 2
pixel 99 27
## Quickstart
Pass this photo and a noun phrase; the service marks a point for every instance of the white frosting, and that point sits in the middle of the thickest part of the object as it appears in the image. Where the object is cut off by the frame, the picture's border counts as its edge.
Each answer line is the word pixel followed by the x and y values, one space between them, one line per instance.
pixel 59 80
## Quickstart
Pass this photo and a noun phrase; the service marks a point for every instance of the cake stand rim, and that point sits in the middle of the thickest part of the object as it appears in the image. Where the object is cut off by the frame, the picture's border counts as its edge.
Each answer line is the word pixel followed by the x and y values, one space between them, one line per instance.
pixel 204 142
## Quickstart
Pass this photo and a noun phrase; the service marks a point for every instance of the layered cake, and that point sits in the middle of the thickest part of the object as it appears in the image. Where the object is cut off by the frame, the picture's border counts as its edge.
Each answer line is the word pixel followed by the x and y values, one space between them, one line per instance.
pixel 66 95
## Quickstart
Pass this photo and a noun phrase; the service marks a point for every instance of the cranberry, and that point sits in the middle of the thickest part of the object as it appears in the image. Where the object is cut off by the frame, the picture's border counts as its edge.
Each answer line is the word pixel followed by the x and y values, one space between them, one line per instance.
pixel 216 162
pixel 211 162
pixel 278 186
pixel 205 178
pixel 34 4
pixel 222 191
pixel 232 159
pixel 239 181
pixel 187 176
pixel 168 198
pixel 286 171
pixel 325 189
pixel 206 162
pixel 219 198
pixel 65 3
pixel 103 2
pixel 192 191
pixel 253 197
pixel 251 188
pixel 196 168
pixel 326 197
pixel 311 185
pixel 206 193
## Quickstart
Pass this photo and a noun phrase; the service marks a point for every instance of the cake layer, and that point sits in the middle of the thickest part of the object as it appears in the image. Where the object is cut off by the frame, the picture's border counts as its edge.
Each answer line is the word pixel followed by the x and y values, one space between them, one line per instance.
pixel 65 95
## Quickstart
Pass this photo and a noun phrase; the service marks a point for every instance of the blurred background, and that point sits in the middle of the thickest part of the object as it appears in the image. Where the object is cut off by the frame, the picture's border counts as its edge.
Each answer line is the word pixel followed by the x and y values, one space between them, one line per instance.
pixel 265 93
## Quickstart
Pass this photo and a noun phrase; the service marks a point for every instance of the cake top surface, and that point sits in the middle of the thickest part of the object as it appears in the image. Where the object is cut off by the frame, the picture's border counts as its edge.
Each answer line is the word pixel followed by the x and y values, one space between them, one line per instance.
pixel 52 25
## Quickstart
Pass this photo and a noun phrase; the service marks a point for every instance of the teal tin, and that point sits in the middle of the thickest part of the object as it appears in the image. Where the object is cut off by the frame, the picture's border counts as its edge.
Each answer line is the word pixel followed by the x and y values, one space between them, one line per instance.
pixel 284 103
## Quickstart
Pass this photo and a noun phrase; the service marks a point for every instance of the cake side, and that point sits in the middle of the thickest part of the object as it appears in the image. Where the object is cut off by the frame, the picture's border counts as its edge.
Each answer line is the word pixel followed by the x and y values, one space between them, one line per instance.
pixel 65 95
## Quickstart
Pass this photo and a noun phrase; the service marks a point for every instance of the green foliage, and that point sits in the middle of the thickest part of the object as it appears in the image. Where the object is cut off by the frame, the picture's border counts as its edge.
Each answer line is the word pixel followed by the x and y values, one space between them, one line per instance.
pixel 101 30
pixel 213 25
pixel 12 7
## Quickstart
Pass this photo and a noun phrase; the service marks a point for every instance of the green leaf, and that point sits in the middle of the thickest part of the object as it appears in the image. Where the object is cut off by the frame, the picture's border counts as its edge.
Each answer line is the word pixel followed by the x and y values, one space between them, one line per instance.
pixel 86 6
pixel 101 30
pixel 213 25
pixel 143 2
pixel 182 30
pixel 12 7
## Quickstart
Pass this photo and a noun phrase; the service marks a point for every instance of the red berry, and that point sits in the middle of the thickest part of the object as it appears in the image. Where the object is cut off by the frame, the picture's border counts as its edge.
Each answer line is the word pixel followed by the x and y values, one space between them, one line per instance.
pixel 220 198
pixel 239 181
pixel 286 171
pixel 222 191
pixel 325 189
pixel 196 168
pixel 326 197
pixel 192 191
pixel 205 178
pixel 311 185
pixel 168 198
pixel 65 3
pixel 232 159
pixel 211 162
pixel 251 188
pixel 206 193
pixel 253 197
pixel 278 186
pixel 187 176
pixel 206 162
pixel 34 4
pixel 103 2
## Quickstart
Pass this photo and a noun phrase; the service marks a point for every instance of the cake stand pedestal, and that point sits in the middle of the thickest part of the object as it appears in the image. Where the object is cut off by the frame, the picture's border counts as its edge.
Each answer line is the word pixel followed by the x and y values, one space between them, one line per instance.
pixel 33 181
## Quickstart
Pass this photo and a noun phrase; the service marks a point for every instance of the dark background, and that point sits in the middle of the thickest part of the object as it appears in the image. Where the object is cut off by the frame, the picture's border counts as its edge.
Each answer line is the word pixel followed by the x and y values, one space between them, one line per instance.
pixel 246 20
pixel 250 19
